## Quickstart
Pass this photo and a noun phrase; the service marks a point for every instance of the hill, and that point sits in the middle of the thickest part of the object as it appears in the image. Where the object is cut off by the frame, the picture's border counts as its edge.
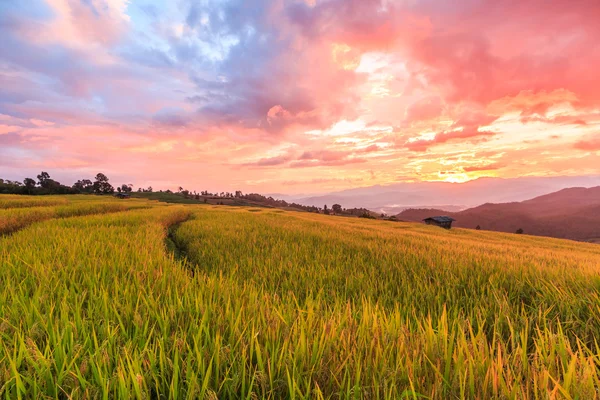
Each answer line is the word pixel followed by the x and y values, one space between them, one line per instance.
pixel 572 213
pixel 394 197
pixel 136 298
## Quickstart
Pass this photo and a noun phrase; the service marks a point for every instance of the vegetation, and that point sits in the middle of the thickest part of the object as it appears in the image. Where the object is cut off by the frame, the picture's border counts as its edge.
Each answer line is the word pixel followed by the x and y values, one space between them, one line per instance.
pixel 274 304
pixel 45 185
pixel 567 214
pixel 16 212
pixel 101 186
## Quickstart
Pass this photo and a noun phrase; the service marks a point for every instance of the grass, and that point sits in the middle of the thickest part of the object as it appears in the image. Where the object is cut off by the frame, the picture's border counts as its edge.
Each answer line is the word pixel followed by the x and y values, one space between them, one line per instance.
pixel 18 201
pixel 292 305
pixel 175 198
pixel 165 197
pixel 22 211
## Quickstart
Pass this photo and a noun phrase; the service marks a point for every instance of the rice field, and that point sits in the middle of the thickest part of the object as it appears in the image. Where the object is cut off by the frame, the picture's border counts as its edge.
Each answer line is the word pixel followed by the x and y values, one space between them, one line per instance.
pixel 104 298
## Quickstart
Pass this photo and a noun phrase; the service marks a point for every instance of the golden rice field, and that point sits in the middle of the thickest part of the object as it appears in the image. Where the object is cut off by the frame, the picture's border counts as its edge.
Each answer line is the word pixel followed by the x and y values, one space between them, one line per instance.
pixel 105 298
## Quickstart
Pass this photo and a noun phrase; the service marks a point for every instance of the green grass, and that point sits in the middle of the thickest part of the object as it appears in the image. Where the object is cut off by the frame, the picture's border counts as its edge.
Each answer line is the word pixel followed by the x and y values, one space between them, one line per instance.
pixel 278 304
pixel 165 197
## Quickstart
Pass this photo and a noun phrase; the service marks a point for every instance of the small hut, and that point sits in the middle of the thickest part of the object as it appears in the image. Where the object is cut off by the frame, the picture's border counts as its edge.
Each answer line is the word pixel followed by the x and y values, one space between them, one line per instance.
pixel 122 195
pixel 441 221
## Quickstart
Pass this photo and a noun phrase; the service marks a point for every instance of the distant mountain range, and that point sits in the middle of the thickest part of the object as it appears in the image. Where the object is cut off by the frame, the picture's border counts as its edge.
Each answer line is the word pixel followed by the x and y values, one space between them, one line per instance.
pixel 394 198
pixel 572 213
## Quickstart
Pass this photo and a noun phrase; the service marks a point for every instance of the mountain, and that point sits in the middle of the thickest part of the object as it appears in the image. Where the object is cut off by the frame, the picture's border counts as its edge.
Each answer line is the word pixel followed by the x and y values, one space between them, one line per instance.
pixel 403 195
pixel 572 213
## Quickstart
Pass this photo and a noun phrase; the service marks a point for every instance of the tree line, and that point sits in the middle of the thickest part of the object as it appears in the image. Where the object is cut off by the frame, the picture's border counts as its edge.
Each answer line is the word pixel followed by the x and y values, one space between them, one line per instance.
pixel 46 185
pixel 100 185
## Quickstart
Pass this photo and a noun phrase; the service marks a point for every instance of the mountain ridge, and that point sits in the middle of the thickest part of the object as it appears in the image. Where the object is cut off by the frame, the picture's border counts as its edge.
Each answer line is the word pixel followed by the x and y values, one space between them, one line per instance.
pixel 571 213
pixel 384 198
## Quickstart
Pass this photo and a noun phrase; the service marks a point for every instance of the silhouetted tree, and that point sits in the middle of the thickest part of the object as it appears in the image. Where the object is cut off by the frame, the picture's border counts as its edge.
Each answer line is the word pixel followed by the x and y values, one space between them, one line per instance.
pixel 337 208
pixel 29 185
pixel 520 231
pixel 478 227
pixel 84 185
pixel 43 179
pixel 101 185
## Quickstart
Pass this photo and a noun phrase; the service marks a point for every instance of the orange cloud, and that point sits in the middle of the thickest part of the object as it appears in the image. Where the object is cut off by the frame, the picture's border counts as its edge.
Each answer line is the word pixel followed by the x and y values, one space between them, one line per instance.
pixel 592 144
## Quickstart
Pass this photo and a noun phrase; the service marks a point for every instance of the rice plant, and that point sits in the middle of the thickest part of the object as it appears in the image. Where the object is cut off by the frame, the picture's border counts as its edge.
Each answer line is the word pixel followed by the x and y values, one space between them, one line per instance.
pixel 271 304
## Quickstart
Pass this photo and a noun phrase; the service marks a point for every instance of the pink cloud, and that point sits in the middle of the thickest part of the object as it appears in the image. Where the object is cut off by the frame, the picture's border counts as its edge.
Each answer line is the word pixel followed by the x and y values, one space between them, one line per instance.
pixel 80 23
pixel 424 109
pixel 157 101
pixel 4 129
pixel 270 161
pixel 468 133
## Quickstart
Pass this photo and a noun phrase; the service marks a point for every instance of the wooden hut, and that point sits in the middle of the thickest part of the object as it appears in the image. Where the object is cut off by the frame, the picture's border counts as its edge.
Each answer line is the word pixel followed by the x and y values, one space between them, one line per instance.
pixel 441 221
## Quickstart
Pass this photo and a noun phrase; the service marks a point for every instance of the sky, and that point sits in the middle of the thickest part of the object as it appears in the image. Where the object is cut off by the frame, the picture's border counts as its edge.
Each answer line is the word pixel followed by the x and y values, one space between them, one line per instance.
pixel 298 96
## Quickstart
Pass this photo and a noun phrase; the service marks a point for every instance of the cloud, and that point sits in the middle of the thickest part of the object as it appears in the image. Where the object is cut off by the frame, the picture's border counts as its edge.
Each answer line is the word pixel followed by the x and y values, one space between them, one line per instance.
pixel 269 161
pixel 424 109
pixel 4 129
pixel 321 181
pixel 489 167
pixel 216 85
pixel 591 144
pixel 171 117
pixel 317 158
pixel 447 136
pixel 326 163
pixel 469 127
pixel 80 23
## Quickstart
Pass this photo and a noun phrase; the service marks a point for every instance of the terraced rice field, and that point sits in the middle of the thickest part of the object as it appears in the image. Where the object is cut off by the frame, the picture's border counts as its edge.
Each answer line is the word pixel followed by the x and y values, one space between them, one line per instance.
pixel 106 298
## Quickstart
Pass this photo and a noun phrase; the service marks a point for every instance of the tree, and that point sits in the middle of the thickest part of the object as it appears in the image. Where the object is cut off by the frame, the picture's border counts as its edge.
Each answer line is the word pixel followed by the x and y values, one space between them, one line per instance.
pixel 51 185
pixel 366 215
pixel 519 231
pixel 478 228
pixel 337 208
pixel 101 185
pixel 29 184
pixel 43 179
pixel 149 190
pixel 126 188
pixel 84 185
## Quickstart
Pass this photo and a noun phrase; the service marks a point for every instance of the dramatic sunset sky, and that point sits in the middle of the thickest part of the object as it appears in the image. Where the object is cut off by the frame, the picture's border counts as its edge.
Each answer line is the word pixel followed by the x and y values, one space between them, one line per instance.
pixel 298 96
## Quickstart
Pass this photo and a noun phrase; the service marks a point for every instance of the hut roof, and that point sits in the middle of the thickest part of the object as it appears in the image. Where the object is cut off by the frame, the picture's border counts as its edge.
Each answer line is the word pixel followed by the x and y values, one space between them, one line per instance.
pixel 440 219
